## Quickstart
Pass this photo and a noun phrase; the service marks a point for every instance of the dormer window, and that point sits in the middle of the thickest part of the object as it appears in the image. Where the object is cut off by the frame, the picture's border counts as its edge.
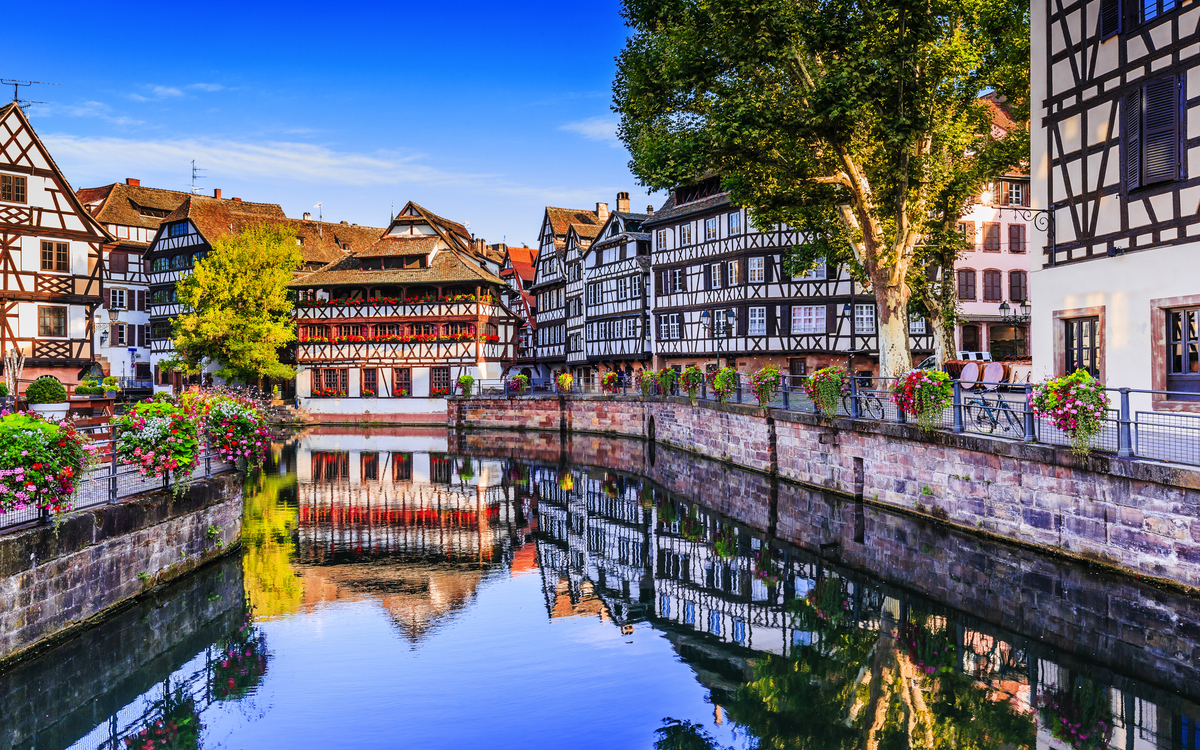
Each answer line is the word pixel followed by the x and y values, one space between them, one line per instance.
pixel 178 229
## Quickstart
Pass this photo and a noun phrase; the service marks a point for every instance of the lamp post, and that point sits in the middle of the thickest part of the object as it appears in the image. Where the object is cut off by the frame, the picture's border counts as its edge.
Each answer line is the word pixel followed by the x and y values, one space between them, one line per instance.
pixel 1019 316
pixel 710 322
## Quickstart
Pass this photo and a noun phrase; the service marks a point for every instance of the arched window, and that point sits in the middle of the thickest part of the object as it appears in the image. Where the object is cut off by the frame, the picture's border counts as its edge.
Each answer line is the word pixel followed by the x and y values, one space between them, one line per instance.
pixel 179 262
pixel 966 284
pixel 1018 286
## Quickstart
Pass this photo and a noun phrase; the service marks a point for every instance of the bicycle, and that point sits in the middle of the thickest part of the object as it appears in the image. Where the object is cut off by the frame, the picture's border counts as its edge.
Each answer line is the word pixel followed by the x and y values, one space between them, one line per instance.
pixel 988 415
pixel 870 406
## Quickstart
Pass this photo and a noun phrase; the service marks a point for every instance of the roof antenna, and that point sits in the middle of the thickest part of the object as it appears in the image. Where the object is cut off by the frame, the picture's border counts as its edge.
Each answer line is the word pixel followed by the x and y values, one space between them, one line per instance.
pixel 196 175
pixel 16 84
pixel 320 218
pixel 393 212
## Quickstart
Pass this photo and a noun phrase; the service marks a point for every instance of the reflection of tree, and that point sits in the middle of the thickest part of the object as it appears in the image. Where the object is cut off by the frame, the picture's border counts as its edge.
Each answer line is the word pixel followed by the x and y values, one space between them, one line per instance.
pixel 683 735
pixel 966 717
pixel 240 664
pixel 268 523
pixel 1079 715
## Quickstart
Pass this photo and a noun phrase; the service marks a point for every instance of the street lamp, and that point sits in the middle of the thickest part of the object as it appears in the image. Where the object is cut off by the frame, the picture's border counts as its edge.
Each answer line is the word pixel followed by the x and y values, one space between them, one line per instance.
pixel 1018 317
pixel 709 323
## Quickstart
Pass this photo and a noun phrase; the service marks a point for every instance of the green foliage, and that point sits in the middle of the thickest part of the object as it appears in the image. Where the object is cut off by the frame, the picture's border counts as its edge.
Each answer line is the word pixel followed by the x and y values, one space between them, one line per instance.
pixel 683 735
pixel 45 390
pixel 923 395
pixel 237 306
pixel 1076 404
pixel 3 390
pixel 565 381
pixel 111 384
pixel 89 388
pixel 765 383
pixel 826 386
pixel 666 380
pixel 725 382
pixel 691 379
pixel 965 717
pixel 847 119
pixel 465 384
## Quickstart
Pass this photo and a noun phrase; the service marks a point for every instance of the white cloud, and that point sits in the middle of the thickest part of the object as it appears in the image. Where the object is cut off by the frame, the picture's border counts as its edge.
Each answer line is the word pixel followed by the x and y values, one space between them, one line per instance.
pixel 206 86
pixel 164 91
pixel 603 129
pixel 99 110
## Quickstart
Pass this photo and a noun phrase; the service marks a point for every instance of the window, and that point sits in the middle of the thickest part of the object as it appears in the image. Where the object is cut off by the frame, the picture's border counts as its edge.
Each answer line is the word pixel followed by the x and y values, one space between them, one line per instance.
pixel 993 289
pixel 967 229
pixel 119 334
pixel 161 264
pixel 864 318
pixel 1016 238
pixel 401 381
pixel 808 319
pixel 660 238
pixel 333 381
pixel 916 324
pixel 756 273
pixel 623 287
pixel 714 622
pixel 330 466
pixel 677 281
pixel 178 229
pixel 733 278
pixel 710 228
pixel 1183 350
pixel 735 223
pixel 12 188
pixel 160 297
pixel 970 338
pixel 991 237
pixel 1083 345
pixel 719 323
pixel 1151 123
pixel 966 284
pixel 56 256
pixel 370 382
pixel 1152 9
pixel 116 299
pixel 689 613
pixel 439 469
pixel 819 272
pixel 52 321
pixel 180 262
pixel 160 330
pixel 635 286
pixel 439 379
pixel 685 234
pixel 1015 193
pixel 758 321
pixel 673 320
pixel 631 326
pixel 370 466
pixel 1018 286
pixel 422 329
pixel 350 330
pixel 402 464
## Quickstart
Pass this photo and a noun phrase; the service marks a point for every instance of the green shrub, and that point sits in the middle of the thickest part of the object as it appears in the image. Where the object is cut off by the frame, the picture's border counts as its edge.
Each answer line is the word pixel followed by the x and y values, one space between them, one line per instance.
pixel 45 390
pixel 110 384
pixel 3 390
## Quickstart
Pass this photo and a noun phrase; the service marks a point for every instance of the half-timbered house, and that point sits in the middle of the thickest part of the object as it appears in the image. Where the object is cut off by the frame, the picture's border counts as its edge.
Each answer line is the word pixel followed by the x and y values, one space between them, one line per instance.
pixel 1116 162
pixel 132 214
pixel 389 329
pixel 51 258
pixel 518 269
pixel 708 258
pixel 579 239
pixel 549 283
pixel 616 271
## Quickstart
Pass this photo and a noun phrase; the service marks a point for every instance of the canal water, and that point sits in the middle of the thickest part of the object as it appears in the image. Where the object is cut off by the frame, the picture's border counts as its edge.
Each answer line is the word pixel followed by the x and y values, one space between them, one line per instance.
pixel 417 590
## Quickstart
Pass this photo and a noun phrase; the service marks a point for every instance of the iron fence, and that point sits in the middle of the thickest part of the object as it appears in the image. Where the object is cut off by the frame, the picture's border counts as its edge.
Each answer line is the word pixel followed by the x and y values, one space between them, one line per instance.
pixel 1130 428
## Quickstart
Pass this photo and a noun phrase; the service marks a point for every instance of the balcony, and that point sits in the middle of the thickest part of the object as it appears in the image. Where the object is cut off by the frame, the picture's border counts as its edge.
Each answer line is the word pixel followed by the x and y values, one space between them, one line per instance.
pixel 427 351
pixel 393 308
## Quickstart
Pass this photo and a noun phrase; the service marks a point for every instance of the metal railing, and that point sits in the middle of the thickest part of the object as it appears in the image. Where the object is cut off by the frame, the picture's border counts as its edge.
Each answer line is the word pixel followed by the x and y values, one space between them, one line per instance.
pixel 1131 428
pixel 108 481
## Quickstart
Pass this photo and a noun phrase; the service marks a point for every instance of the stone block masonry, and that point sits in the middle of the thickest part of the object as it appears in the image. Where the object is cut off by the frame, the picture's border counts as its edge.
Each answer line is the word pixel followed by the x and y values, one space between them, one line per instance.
pixel 1139 516
pixel 54 580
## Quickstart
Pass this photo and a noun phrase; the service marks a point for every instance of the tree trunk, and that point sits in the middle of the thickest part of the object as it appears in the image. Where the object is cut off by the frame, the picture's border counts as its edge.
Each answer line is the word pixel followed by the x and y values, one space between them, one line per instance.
pixel 895 356
pixel 943 338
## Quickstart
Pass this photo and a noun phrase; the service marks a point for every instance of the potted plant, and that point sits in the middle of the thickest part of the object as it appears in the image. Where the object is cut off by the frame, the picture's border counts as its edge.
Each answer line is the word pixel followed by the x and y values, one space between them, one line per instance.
pixel 666 380
pixel 41 462
pixel 235 429
pixel 439 392
pixel 465 383
pixel 111 386
pixel 609 382
pixel 826 386
pixel 47 397
pixel 765 383
pixel 725 382
pixel 924 394
pixel 518 384
pixel 1079 714
pixel 1076 404
pixel 564 381
pixel 645 382
pixel 160 439
pixel 690 380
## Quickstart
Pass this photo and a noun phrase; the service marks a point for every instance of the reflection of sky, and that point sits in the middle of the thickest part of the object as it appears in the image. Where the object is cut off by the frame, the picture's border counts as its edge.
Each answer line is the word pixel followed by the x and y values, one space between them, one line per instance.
pixel 501 674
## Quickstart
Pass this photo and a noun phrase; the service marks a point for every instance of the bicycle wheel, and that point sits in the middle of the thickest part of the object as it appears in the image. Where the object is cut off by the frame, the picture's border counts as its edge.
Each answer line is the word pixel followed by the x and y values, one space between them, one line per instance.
pixel 872 408
pixel 980 415
pixel 1014 423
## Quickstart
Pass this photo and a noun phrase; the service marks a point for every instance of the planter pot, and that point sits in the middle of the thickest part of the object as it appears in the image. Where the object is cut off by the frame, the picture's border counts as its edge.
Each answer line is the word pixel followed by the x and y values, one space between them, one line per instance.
pixel 51 411
pixel 110 394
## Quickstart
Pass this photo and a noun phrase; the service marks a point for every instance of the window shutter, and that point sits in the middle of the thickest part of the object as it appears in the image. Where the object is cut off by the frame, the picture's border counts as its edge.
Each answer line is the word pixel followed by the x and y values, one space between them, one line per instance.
pixel 141 335
pixel 743 271
pixel 831 318
pixel 1131 121
pixel 107 298
pixel 683 279
pixel 1016 286
pixel 1110 18
pixel 1027 195
pixel 785 319
pixel 708 276
pixel 769 269
pixel 141 300
pixel 1160 137
pixel 991 236
pixel 658 282
pixel 772 328
pixel 1002 188
pixel 112 334
pixel 1016 238
pixel 743 316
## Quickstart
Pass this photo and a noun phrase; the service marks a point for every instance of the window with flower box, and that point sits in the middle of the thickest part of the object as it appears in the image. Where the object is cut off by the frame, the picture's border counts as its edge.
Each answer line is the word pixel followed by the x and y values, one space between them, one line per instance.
pixel 330 466
pixel 370 382
pixel 331 381
pixel 402 467
pixel 401 382
pixel 439 381
pixel 370 466
pixel 439 469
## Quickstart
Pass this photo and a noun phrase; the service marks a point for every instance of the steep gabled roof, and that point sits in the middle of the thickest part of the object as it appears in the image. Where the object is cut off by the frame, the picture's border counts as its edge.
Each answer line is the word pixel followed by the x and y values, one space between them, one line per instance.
pixel 561 219
pixel 217 217
pixel 323 242
pixel 671 210
pixel 447 267
pixel 631 223
pixel 131 205
pixel 521 260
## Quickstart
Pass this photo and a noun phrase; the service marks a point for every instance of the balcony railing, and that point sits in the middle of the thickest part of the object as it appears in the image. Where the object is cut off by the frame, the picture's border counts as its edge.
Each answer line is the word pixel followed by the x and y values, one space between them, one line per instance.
pixel 397 309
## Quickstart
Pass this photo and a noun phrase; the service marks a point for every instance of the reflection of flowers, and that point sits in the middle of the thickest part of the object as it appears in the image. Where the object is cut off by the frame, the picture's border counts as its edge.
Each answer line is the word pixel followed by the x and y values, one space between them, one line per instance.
pixel 178 729
pixel 928 650
pixel 1080 715
pixel 566 483
pixel 725 545
pixel 766 569
pixel 242 664
pixel 828 599
pixel 693 528
pixel 610 485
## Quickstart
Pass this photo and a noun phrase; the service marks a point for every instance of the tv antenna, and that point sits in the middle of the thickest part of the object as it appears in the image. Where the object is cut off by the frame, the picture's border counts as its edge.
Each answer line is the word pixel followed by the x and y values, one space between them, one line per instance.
pixel 196 175
pixel 17 84
pixel 320 218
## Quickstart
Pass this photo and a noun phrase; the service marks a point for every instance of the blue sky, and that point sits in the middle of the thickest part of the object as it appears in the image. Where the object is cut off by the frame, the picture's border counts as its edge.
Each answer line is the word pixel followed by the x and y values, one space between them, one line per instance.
pixel 483 112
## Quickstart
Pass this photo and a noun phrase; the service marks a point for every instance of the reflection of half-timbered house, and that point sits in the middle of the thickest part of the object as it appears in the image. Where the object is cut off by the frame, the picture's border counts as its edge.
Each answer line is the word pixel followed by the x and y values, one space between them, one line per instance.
pixel 390 328
pixel 616 275
pixel 707 257
pixel 549 283
pixel 1116 158
pixel 51 258
pixel 132 214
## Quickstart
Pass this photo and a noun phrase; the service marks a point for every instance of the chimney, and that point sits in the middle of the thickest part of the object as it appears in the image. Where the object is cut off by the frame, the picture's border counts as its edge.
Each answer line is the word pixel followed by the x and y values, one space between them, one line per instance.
pixel 308 216
pixel 623 203
pixel 132 182
pixel 217 193
pixel 650 209
pixel 239 200
pixel 602 211
pixel 344 223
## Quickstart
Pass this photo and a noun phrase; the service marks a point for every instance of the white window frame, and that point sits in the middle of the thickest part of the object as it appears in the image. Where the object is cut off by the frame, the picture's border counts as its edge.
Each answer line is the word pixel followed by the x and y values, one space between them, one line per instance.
pixel 685 234
pixel 735 222
pixel 661 239
pixel 710 228
pixel 121 336
pixel 591 332
pixel 676 280
pixel 756 270
pixel 675 327
pixel 1016 193
pixel 819 272
pixel 916 324
pixel 664 327
pixel 623 288
pixel 864 318
pixel 635 287
pixel 715 274
pixel 733 267
pixel 631 328
pixel 757 322
pixel 808 319
pixel 113 296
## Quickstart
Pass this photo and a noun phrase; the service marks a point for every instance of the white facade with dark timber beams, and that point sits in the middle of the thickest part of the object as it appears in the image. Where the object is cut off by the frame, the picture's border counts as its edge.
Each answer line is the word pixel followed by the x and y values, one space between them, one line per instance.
pixel 51 259
pixel 550 281
pixel 707 257
pixel 1116 159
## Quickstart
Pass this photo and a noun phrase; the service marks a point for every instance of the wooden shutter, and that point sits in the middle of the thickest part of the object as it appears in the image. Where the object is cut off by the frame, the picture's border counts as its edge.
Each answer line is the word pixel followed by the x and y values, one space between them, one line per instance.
pixel 991 236
pixel 831 318
pixel 107 298
pixel 1016 286
pixel 1131 122
pixel 1002 189
pixel 769 269
pixel 966 284
pixel 1110 18
pixel 1016 238
pixel 141 335
pixel 141 300
pixel 785 319
pixel 708 276
pixel 658 282
pixel 683 278
pixel 992 286
pixel 772 328
pixel 1160 131
pixel 743 316
pixel 743 271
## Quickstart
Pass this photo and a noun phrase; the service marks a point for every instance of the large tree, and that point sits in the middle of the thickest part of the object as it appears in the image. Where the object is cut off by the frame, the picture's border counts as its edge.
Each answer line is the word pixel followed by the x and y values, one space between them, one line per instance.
pixel 857 121
pixel 237 309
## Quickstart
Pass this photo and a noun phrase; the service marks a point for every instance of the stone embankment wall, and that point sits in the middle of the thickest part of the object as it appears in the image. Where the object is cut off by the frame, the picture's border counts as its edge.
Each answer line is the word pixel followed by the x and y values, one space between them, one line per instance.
pixel 1140 516
pixel 54 579
pixel 1132 628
